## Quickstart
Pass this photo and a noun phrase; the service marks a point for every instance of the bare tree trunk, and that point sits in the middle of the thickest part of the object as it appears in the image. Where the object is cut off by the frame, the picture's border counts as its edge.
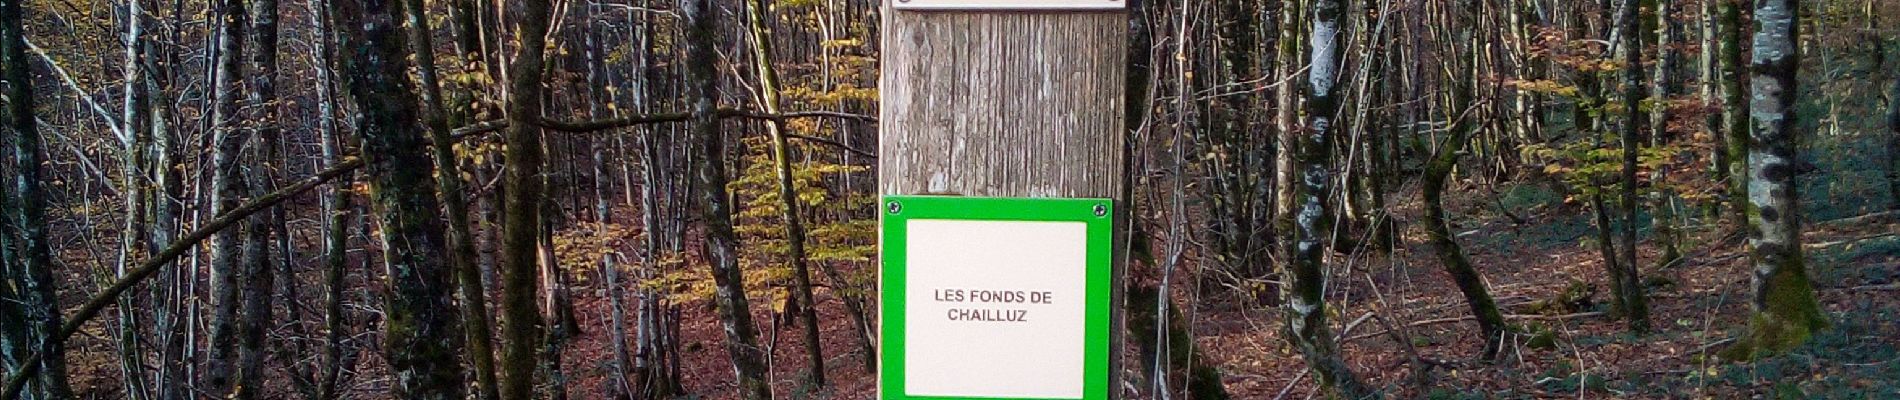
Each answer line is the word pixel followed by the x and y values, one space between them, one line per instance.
pixel 655 363
pixel 721 248
pixel 1287 111
pixel 1627 289
pixel 1438 169
pixel 221 376
pixel 1305 309
pixel 1589 107
pixel 558 304
pixel 1239 200
pixel 1784 311
pixel 16 337
pixel 1178 352
pixel 33 275
pixel 1893 142
pixel 461 245
pixel 616 294
pixel 168 173
pixel 420 329
pixel 1709 68
pixel 261 97
pixel 522 191
pixel 1667 87
pixel 619 387
pixel 135 240
pixel 1735 105
pixel 337 211
pixel 757 12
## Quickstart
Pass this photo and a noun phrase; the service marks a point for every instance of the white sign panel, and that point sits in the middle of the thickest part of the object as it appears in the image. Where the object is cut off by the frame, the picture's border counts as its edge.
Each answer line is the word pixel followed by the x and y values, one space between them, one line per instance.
pixel 1009 4
pixel 996 309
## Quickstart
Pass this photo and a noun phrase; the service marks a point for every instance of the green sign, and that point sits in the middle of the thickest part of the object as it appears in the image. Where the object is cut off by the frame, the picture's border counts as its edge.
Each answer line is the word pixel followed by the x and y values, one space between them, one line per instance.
pixel 995 298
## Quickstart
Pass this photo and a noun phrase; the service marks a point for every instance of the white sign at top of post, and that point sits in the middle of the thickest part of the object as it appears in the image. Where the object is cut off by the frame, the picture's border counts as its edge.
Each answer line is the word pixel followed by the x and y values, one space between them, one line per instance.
pixel 1009 4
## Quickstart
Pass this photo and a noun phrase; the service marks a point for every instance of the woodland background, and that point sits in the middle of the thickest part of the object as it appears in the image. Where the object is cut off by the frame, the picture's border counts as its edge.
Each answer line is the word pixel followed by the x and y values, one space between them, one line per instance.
pixel 431 199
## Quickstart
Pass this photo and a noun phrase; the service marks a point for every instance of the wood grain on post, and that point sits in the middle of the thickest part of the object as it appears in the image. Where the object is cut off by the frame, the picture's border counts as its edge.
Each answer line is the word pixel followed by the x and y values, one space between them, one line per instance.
pixel 1007 104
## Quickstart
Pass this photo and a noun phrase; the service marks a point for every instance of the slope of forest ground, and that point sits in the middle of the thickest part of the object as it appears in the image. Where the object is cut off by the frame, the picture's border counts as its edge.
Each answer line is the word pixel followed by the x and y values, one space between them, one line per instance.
pixel 1527 239
pixel 1573 351
pixel 1564 352
pixel 127 150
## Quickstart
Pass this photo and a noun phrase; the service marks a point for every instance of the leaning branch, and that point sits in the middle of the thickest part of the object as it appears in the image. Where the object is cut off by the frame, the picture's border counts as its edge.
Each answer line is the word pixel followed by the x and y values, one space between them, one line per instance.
pixel 832 143
pixel 125 139
pixel 171 253
pixel 1536 317
pixel 636 120
pixel 649 119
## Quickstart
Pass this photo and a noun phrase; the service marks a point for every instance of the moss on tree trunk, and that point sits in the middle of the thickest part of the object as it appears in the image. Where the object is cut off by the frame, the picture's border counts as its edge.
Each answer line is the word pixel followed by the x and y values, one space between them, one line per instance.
pixel 422 335
pixel 1784 311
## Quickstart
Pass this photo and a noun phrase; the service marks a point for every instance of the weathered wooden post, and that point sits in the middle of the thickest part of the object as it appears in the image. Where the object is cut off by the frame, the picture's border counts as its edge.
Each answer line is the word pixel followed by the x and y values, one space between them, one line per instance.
pixel 1001 162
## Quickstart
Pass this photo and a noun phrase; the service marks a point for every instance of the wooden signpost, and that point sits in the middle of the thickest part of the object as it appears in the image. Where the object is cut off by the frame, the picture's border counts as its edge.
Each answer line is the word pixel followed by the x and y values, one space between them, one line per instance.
pixel 1001 165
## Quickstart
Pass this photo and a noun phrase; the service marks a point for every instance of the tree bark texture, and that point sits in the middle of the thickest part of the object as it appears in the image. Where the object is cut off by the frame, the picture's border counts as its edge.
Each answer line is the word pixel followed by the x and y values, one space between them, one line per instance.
pixel 521 204
pixel 1784 311
pixel 36 288
pixel 1625 286
pixel 420 326
pixel 721 246
pixel 1305 308
pixel 757 14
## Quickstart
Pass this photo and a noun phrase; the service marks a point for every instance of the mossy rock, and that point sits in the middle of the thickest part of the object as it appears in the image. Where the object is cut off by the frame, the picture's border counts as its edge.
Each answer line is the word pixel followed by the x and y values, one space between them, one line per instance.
pixel 1542 338
pixel 1576 297
pixel 1452 394
pixel 1789 391
pixel 1654 282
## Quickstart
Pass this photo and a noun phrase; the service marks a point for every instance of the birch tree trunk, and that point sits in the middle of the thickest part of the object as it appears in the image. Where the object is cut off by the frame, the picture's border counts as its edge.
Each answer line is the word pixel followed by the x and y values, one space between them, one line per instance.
pixel 168 185
pixel 1305 309
pixel 597 107
pixel 1286 173
pixel 653 375
pixel 1784 311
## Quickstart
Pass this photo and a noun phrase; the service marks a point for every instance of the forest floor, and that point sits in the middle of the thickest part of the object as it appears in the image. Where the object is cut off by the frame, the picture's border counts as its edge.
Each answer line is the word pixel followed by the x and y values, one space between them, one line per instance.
pixel 1386 309
pixel 1564 352
pixel 1578 352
